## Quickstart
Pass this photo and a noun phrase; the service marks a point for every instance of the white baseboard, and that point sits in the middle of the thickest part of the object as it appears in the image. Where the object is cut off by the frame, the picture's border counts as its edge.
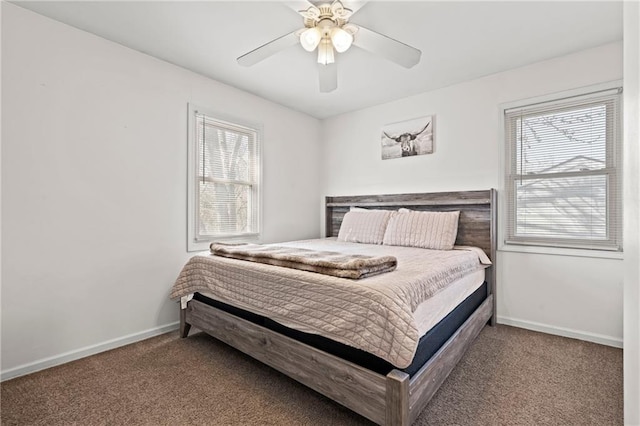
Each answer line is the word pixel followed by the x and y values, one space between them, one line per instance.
pixel 136 337
pixel 63 358
pixel 561 331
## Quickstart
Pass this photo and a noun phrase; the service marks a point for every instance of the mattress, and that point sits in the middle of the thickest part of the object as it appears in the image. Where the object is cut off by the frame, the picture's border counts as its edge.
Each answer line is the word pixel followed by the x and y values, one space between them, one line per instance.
pixel 434 309
pixel 376 314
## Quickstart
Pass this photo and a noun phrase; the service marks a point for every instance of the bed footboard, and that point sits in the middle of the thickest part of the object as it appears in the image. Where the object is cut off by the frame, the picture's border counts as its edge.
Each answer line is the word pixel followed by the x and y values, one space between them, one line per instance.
pixel 392 400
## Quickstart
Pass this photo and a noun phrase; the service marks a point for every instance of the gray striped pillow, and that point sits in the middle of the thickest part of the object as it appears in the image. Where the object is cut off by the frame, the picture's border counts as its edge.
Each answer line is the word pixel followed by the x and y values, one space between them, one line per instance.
pixel 364 226
pixel 430 230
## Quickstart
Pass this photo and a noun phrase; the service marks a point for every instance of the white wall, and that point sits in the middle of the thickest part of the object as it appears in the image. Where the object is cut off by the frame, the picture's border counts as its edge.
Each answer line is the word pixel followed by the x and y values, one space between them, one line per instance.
pixel 632 218
pixel 567 295
pixel 94 143
pixel 0 183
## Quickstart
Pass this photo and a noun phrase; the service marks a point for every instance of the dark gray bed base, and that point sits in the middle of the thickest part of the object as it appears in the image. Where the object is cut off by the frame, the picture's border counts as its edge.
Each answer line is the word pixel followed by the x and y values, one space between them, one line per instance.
pixel 394 399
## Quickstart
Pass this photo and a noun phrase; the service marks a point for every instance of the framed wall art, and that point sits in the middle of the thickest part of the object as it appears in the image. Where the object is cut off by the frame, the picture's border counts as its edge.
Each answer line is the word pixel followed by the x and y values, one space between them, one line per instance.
pixel 407 138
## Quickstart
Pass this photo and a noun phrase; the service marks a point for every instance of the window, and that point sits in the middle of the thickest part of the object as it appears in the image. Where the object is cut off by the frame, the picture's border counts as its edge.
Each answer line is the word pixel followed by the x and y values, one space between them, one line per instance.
pixel 563 172
pixel 223 179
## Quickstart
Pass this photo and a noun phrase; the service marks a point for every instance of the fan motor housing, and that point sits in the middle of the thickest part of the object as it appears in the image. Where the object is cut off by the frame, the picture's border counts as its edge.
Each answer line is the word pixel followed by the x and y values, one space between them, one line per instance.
pixel 335 12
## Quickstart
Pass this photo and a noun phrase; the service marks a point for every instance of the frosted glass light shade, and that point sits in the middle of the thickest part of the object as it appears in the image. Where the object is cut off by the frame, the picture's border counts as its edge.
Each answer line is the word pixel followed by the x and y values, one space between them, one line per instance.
pixel 310 39
pixel 325 52
pixel 341 39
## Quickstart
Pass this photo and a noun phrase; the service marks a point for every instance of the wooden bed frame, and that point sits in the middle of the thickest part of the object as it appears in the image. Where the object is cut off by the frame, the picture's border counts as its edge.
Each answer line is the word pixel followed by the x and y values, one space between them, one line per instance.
pixel 394 399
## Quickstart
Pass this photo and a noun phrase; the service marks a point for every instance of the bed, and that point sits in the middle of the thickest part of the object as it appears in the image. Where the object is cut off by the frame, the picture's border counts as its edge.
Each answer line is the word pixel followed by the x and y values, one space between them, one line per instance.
pixel 365 381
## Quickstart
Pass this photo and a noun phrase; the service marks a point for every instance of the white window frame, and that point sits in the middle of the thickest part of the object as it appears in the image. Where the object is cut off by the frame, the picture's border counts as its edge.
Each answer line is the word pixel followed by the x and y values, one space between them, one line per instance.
pixel 195 241
pixel 559 98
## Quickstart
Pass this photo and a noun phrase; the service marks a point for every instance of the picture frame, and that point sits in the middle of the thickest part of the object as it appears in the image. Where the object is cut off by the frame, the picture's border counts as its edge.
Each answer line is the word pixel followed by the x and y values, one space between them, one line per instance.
pixel 407 138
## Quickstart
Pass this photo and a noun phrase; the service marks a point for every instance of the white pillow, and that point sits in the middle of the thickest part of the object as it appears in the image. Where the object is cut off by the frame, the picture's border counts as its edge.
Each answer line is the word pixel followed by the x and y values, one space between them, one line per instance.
pixel 430 230
pixel 364 226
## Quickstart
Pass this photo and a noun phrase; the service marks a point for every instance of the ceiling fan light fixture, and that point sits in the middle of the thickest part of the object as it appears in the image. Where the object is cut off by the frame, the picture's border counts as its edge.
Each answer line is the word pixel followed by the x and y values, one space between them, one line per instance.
pixel 327 28
pixel 341 39
pixel 325 52
pixel 310 38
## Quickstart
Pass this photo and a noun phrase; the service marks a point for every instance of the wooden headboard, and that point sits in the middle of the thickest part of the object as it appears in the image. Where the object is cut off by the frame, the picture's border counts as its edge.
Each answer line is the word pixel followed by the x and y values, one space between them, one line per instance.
pixel 476 227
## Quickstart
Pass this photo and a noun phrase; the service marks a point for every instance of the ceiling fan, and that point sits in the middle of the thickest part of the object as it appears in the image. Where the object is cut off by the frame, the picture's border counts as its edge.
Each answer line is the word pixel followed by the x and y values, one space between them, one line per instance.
pixel 327 29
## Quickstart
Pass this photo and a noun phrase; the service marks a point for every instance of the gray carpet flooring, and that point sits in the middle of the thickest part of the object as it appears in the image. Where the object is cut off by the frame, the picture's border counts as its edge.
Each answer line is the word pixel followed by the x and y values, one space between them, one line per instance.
pixel 509 376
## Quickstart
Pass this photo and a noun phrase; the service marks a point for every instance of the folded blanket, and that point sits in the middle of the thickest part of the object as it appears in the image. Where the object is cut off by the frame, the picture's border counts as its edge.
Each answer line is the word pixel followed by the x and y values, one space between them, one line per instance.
pixel 340 265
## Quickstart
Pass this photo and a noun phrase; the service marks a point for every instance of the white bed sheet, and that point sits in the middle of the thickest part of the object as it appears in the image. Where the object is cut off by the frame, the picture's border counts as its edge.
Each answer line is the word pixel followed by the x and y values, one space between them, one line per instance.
pixel 433 310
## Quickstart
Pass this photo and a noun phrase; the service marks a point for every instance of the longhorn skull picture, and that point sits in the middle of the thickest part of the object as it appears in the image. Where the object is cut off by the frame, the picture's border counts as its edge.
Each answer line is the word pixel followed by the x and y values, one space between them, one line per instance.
pixel 408 138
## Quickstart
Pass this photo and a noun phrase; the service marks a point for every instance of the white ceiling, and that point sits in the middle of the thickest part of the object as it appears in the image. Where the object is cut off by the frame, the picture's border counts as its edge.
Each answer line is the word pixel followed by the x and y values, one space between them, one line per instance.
pixel 459 40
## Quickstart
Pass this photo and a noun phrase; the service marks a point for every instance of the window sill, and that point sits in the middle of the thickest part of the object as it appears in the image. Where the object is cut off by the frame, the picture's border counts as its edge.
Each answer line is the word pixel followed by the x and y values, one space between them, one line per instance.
pixel 195 246
pixel 561 251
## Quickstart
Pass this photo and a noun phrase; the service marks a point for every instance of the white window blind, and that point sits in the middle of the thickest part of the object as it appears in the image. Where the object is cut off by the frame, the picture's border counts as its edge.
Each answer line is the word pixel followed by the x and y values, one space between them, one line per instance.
pixel 226 179
pixel 563 173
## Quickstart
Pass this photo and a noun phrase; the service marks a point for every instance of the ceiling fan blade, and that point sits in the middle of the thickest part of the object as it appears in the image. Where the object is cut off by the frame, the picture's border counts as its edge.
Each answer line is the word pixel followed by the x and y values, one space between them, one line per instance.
pixel 298 5
pixel 266 50
pixel 354 6
pixel 328 77
pixel 393 50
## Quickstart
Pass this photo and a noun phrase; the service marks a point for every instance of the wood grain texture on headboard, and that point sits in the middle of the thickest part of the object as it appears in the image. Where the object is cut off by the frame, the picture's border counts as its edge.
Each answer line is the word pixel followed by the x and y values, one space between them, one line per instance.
pixel 477 225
